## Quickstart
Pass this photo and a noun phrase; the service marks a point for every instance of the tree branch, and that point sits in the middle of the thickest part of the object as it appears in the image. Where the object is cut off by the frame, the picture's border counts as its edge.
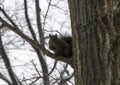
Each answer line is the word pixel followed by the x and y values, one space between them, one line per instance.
pixel 5 79
pixel 7 63
pixel 28 21
pixel 15 29
pixel 39 25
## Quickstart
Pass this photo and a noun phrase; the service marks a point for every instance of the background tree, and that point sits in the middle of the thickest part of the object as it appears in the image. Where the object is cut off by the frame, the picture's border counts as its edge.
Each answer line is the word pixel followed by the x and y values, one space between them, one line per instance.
pixel 24 27
pixel 96 41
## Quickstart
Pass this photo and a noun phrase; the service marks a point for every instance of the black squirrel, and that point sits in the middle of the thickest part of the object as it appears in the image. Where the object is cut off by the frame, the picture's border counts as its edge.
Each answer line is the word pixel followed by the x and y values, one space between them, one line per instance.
pixel 61 46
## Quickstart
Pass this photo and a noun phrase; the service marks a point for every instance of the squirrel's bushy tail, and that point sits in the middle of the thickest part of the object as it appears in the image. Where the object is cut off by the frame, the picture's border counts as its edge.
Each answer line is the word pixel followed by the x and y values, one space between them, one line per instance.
pixel 67 39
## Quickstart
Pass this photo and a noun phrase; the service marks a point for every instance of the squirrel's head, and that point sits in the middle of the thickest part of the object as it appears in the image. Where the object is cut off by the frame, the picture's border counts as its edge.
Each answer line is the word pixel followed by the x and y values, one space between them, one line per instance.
pixel 53 38
pixel 52 41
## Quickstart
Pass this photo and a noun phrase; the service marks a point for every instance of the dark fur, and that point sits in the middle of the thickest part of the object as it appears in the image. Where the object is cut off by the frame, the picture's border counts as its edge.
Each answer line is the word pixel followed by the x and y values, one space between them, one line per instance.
pixel 61 46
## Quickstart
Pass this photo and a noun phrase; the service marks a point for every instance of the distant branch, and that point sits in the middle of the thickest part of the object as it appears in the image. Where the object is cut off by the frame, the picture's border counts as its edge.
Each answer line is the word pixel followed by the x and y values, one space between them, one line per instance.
pixel 39 24
pixel 28 21
pixel 6 15
pixel 55 63
pixel 46 14
pixel 7 63
pixel 5 79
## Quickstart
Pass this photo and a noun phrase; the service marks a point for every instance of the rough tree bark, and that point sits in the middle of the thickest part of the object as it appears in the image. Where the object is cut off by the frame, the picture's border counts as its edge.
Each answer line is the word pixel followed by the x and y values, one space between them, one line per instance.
pixel 96 41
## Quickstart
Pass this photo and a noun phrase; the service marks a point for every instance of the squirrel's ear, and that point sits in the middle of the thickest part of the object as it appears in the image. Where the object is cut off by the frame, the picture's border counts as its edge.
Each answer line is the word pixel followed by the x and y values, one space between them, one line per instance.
pixel 49 35
pixel 55 35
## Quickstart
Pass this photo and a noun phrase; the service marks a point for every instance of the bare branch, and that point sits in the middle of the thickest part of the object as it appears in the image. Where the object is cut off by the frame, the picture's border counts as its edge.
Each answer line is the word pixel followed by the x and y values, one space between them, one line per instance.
pixel 35 68
pixel 63 79
pixel 55 63
pixel 10 20
pixel 5 79
pixel 46 14
pixel 41 59
pixel 39 25
pixel 28 21
pixel 7 63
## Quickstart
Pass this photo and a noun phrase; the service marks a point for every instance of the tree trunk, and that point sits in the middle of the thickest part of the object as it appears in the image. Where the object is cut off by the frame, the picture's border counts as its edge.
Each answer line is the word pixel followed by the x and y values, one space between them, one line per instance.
pixel 96 41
